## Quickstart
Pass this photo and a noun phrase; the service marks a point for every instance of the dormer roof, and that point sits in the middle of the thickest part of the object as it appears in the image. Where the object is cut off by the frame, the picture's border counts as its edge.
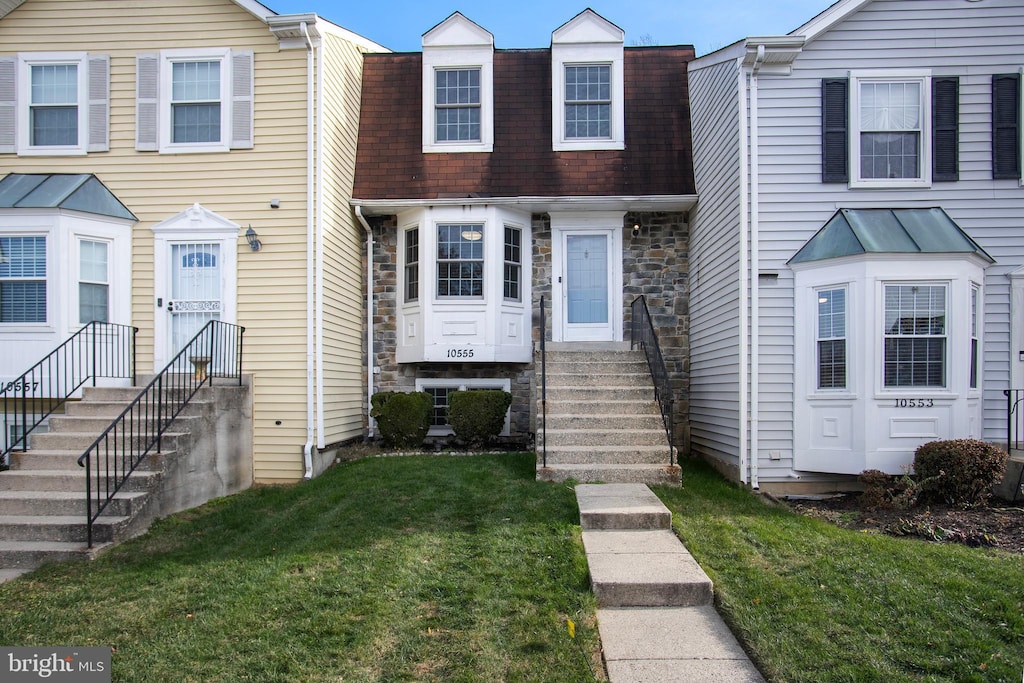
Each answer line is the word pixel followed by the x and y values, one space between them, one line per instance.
pixel 457 31
pixel 587 28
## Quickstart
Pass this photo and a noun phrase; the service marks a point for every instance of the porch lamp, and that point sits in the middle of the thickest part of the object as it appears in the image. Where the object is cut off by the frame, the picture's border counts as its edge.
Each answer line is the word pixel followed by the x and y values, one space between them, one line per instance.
pixel 253 239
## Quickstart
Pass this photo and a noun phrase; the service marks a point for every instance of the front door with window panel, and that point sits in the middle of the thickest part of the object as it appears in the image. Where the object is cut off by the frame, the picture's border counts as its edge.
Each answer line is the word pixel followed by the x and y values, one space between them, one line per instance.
pixel 195 288
pixel 586 287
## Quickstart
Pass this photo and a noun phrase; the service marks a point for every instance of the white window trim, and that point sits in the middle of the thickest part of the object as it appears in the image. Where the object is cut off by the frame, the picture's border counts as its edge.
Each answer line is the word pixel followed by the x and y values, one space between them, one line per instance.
pixel 48 325
pixel 952 341
pixel 24 134
pixel 486 235
pixel 465 384
pixel 167 59
pixel 976 334
pixel 461 58
pixel 850 376
pixel 79 280
pixel 922 76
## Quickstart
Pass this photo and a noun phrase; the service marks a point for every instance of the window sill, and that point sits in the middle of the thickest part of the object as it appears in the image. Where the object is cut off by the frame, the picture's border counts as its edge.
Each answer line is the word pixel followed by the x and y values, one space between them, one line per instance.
pixel 457 147
pixel 52 152
pixel 585 145
pixel 193 149
pixel 874 184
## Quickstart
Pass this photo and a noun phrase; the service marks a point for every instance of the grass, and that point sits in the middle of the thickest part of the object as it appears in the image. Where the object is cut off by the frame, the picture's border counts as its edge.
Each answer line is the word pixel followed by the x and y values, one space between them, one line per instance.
pixel 814 602
pixel 383 569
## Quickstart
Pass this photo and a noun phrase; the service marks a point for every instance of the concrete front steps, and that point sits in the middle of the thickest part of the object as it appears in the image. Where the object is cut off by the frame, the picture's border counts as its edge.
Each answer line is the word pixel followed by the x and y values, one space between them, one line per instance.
pixel 603 423
pixel 655 611
pixel 42 496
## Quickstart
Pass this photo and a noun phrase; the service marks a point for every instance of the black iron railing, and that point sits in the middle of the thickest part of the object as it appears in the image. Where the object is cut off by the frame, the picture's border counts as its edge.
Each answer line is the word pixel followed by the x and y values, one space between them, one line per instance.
pixel 1015 428
pixel 97 350
pixel 543 385
pixel 642 334
pixel 215 352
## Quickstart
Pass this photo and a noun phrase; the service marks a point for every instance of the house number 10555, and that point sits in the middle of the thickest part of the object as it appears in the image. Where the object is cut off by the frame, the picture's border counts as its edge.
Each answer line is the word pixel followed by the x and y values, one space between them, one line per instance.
pixel 460 353
pixel 914 403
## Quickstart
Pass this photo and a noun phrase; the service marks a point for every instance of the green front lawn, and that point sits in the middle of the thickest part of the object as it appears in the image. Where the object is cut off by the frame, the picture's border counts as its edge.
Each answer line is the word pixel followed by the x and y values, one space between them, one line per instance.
pixel 383 569
pixel 816 603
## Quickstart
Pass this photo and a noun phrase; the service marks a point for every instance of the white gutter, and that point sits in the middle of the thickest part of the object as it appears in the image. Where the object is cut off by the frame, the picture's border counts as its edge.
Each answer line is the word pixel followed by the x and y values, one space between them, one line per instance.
pixel 744 272
pixel 307 449
pixel 755 264
pixel 369 317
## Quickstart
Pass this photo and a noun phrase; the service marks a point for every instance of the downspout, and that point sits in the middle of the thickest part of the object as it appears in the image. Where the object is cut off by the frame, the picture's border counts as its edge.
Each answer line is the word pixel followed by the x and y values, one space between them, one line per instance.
pixel 755 267
pixel 744 272
pixel 319 170
pixel 369 317
pixel 307 449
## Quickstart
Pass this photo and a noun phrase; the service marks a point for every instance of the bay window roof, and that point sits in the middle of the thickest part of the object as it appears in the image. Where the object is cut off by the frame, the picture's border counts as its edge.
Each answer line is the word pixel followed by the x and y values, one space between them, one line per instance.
pixel 888 231
pixel 74 191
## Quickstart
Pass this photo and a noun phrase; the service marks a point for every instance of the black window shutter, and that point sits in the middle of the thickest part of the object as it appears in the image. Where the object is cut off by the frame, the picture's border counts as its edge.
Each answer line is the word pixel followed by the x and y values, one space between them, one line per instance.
pixel 835 97
pixel 1006 126
pixel 945 128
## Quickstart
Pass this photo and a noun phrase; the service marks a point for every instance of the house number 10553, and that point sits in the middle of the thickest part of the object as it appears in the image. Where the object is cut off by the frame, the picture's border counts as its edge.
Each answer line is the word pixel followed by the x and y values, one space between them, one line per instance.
pixel 914 403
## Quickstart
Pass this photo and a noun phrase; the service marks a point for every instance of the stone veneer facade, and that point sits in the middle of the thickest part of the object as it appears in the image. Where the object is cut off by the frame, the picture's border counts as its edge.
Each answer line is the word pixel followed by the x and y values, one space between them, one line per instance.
pixel 655 265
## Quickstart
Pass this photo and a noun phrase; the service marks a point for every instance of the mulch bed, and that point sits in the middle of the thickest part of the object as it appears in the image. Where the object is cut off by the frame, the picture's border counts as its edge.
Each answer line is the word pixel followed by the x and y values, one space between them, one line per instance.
pixel 998 525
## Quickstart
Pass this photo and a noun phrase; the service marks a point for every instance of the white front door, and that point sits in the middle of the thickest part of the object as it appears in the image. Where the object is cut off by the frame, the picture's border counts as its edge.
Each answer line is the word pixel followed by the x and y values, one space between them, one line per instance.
pixel 195 287
pixel 586 292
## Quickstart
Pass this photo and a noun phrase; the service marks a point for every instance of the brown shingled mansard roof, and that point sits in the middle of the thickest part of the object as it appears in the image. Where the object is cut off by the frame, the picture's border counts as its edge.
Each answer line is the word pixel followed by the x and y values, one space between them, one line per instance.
pixel 657 160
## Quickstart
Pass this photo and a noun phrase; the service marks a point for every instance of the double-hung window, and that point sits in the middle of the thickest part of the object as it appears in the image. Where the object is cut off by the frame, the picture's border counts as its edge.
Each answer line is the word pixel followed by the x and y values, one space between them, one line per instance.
pixel 23 279
pixel 513 264
pixel 915 336
pixel 975 325
pixel 457 105
pixel 832 338
pixel 53 105
pixel 93 282
pixel 412 264
pixel 196 97
pixel 891 123
pixel 588 101
pixel 460 260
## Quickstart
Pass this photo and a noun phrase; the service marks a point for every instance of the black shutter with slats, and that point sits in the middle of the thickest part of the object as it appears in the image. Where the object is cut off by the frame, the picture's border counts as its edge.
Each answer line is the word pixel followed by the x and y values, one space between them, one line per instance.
pixel 835 96
pixel 945 128
pixel 1006 126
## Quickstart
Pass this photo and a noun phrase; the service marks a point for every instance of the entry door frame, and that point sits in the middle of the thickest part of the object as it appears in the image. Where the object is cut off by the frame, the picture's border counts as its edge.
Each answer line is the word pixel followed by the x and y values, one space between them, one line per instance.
pixel 195 224
pixel 603 223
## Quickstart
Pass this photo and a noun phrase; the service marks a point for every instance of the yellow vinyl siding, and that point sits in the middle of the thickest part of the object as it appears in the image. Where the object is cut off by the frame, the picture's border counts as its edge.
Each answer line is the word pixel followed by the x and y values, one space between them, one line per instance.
pixel 238 185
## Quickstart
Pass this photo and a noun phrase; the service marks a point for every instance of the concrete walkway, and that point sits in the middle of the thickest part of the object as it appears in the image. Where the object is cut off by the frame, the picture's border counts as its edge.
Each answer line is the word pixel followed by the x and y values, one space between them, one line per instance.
pixel 655 611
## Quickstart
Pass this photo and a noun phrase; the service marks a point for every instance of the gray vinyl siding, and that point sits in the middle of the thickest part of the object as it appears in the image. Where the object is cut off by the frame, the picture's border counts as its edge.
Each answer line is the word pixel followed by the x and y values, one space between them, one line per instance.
pixel 714 265
pixel 970 40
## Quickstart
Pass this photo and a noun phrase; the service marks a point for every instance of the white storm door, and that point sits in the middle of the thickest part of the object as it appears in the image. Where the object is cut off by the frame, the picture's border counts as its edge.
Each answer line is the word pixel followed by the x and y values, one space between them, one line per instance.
pixel 196 277
pixel 587 309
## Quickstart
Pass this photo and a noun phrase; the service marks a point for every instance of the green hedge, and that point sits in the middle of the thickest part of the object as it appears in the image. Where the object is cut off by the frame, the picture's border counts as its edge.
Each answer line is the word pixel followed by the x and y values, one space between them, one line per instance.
pixel 478 415
pixel 403 418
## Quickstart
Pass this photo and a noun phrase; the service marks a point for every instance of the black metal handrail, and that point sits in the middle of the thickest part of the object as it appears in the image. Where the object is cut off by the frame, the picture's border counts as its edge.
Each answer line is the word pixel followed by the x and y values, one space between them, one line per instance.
pixel 1015 428
pixel 543 385
pixel 97 350
pixel 215 352
pixel 641 333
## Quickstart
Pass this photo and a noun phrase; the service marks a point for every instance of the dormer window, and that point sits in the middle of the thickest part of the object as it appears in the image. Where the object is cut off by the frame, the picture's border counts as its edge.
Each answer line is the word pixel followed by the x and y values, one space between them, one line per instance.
pixel 587 111
pixel 458 87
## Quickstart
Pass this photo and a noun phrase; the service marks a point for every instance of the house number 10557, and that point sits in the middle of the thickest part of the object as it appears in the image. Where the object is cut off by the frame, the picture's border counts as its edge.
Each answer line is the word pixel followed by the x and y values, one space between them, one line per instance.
pixel 914 403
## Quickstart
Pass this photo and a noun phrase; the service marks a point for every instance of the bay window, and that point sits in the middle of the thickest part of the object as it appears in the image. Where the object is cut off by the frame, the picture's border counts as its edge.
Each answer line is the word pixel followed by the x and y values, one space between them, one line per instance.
pixel 23 279
pixel 513 263
pixel 832 338
pixel 460 260
pixel 412 264
pixel 915 336
pixel 93 282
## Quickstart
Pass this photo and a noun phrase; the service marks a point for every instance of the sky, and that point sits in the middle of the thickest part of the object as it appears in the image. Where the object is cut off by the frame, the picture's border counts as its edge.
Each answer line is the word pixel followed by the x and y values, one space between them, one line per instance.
pixel 706 24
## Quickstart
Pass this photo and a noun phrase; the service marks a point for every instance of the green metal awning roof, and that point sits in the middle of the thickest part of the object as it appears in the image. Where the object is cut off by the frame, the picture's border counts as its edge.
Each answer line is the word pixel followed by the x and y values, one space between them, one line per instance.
pixel 888 231
pixel 75 191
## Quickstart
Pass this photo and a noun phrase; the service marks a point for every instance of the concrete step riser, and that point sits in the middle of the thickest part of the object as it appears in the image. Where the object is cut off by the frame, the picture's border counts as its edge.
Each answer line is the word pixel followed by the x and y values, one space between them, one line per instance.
pixel 649 474
pixel 42 530
pixel 556 356
pixel 613 594
pixel 620 421
pixel 654 456
pixel 582 368
pixel 125 395
pixel 601 439
pixel 112 410
pixel 34 460
pixel 120 506
pixel 70 481
pixel 576 395
pixel 97 425
pixel 643 407
pixel 606 380
pixel 80 441
pixel 30 559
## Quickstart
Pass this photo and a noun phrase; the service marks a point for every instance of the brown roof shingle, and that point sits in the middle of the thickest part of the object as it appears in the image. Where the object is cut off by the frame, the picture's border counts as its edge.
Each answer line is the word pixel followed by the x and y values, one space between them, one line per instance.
pixel 657 159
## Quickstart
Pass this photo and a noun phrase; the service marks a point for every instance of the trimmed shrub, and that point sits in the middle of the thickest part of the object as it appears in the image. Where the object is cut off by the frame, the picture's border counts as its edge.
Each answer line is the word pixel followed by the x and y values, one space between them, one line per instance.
pixel 403 418
pixel 478 415
pixel 886 492
pixel 959 471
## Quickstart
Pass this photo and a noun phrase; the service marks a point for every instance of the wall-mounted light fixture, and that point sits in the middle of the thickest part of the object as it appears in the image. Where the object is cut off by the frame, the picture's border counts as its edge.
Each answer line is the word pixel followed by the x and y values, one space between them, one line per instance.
pixel 636 230
pixel 253 239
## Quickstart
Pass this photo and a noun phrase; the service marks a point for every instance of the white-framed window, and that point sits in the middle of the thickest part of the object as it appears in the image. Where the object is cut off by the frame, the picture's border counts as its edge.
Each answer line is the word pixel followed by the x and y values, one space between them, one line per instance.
pixel 23 279
pixel 975 331
pixel 914 335
pixel 587 89
pixel 93 281
pixel 412 264
pixel 439 390
pixel 831 338
pixel 513 275
pixel 457 105
pixel 458 87
pixel 460 260
pixel 890 142
pixel 194 100
pixel 54 103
